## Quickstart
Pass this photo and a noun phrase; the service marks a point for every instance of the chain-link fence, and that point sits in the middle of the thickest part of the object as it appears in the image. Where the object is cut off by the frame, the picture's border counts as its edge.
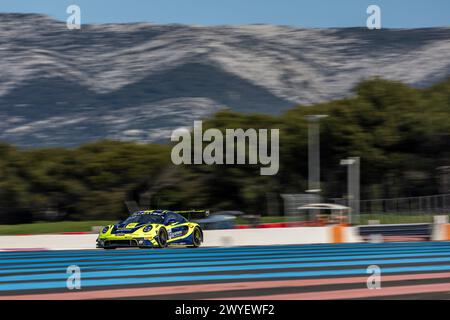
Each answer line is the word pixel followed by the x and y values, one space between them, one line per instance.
pixel 394 210
pixel 403 210
pixel 434 204
pixel 293 201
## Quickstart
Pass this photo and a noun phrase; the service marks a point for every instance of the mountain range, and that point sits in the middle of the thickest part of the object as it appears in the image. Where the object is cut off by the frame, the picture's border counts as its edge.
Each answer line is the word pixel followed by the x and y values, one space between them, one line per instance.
pixel 61 87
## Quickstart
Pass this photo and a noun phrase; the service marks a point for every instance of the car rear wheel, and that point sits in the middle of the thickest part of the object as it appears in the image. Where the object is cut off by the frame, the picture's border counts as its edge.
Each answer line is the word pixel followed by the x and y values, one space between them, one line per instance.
pixel 197 237
pixel 162 238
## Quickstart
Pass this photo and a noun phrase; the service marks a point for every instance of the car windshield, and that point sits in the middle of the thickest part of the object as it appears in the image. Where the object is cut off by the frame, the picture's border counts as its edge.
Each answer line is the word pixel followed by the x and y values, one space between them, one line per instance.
pixel 144 218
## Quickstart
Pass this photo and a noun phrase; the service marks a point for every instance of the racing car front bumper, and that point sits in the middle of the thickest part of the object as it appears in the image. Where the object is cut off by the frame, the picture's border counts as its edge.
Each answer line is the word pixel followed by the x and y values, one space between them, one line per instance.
pixel 116 242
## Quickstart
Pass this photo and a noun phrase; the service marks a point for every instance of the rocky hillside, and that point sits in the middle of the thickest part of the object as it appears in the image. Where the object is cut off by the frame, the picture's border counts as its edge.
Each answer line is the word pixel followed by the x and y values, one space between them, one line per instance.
pixel 61 87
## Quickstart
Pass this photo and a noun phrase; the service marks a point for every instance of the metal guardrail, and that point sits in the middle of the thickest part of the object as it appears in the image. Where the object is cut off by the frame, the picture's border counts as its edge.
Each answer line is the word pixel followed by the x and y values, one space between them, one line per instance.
pixel 420 230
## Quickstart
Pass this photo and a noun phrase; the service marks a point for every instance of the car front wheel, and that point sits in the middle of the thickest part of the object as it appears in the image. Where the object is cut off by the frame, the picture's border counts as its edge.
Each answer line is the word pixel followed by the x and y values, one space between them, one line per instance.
pixel 197 237
pixel 162 238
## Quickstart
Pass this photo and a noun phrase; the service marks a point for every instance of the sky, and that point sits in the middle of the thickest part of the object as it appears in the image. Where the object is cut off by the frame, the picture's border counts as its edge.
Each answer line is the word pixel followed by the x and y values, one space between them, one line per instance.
pixel 300 13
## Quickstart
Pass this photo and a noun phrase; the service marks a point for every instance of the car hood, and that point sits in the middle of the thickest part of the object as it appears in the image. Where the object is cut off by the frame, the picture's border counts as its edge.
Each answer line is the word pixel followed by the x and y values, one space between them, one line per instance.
pixel 126 227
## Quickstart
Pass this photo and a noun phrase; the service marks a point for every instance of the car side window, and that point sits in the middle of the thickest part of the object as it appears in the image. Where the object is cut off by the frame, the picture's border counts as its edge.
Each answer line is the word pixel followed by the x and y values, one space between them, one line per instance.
pixel 179 218
pixel 173 217
pixel 169 218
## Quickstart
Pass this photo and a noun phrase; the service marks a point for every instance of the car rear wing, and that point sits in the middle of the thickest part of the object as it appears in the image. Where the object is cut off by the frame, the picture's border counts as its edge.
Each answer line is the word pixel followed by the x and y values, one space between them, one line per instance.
pixel 195 214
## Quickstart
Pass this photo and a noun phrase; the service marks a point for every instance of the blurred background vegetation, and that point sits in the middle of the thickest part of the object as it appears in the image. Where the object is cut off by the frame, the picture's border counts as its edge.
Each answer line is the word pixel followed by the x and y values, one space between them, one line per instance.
pixel 402 135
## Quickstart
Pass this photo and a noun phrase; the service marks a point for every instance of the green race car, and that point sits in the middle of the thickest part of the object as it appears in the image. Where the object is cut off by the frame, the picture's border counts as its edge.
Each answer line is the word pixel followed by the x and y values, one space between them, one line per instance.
pixel 153 228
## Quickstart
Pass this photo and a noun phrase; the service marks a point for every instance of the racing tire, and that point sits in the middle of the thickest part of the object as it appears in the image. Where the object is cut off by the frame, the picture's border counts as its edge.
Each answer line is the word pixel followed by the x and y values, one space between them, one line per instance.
pixel 162 238
pixel 197 237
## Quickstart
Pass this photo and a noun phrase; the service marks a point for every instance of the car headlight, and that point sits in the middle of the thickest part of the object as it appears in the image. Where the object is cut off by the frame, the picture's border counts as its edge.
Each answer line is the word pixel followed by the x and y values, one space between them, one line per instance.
pixel 148 228
pixel 105 229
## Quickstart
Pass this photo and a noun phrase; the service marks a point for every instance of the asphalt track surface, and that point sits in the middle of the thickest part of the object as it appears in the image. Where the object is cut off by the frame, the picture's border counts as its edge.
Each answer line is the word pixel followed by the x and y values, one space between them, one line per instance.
pixel 409 270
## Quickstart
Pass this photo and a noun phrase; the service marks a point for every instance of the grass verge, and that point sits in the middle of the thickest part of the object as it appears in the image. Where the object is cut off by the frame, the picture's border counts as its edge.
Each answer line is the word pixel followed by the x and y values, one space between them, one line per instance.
pixel 51 227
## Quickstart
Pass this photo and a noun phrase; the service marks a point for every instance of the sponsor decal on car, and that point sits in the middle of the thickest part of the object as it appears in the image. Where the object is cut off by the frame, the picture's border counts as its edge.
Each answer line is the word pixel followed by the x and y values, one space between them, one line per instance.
pixel 175 234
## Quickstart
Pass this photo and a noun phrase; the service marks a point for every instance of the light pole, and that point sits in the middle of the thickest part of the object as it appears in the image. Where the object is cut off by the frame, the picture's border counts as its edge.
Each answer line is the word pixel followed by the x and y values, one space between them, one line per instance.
pixel 444 179
pixel 314 152
pixel 353 187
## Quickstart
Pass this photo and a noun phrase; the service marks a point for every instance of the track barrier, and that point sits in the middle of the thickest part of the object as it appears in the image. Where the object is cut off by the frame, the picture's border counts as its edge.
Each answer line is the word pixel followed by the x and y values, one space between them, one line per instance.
pixel 340 233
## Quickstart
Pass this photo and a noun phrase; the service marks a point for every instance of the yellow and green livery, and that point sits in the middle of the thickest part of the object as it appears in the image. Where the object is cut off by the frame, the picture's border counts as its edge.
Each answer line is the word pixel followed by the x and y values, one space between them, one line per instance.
pixel 153 228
